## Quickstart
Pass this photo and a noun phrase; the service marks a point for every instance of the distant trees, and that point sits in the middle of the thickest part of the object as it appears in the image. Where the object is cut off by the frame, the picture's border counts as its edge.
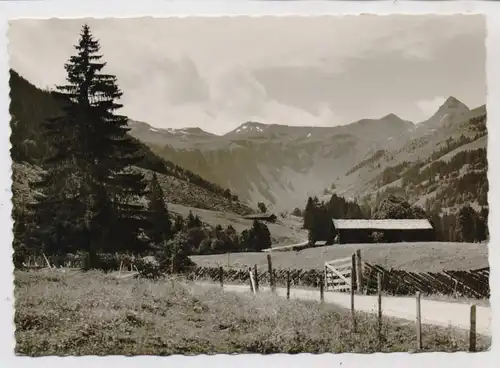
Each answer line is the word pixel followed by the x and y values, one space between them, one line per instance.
pixel 453 182
pixel 341 208
pixel 262 207
pixel 256 238
pixel 177 253
pixel 297 212
pixel 466 224
pixel 322 225
pixel 482 232
pixel 191 236
pixel 368 162
pixel 192 221
pixel 309 212
pixel 392 173
pixel 318 216
pixel 470 225
pixel 397 208
pixel 160 229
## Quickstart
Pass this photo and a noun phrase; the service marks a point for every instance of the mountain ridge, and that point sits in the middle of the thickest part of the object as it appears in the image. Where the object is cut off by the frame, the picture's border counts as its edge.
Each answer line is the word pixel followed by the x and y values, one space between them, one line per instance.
pixel 281 165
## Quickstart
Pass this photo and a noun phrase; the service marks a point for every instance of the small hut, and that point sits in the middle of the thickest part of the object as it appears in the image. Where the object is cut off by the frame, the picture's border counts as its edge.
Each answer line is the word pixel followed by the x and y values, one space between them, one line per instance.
pixel 269 217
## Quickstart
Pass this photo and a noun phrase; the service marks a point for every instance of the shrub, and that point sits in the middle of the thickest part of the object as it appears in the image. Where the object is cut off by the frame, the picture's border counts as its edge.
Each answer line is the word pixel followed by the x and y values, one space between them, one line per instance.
pixel 149 269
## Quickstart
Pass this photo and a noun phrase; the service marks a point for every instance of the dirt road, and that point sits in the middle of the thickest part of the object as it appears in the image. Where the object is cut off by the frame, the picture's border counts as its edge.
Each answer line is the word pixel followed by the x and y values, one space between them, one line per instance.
pixel 433 312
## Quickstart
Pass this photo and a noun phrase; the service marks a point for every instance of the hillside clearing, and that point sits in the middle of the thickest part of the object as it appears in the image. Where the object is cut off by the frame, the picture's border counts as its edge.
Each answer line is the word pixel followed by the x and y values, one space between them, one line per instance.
pixel 480 143
pixel 94 314
pixel 414 257
pixel 283 232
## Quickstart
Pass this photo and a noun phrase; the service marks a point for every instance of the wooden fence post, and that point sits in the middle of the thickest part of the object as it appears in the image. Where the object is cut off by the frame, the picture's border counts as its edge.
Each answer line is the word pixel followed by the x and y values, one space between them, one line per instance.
pixel 271 274
pixel 256 276
pixel 221 276
pixel 288 282
pixel 472 332
pixel 419 324
pixel 359 271
pixel 46 260
pixel 379 290
pixel 322 290
pixel 353 272
pixel 252 283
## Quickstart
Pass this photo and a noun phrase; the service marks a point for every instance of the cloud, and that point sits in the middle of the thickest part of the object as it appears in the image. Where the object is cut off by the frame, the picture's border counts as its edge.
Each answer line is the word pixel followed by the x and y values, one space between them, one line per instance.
pixel 234 97
pixel 219 72
pixel 430 106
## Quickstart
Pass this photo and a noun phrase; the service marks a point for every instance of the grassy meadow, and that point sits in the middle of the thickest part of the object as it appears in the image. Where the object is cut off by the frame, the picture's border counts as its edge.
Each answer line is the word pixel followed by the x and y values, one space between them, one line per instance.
pixel 92 313
pixel 414 257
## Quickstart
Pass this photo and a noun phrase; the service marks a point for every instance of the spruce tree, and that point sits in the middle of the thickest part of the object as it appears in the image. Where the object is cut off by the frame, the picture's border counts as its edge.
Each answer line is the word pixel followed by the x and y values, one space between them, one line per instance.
pixel 466 224
pixel 160 229
pixel 179 253
pixel 193 221
pixel 309 213
pixel 179 224
pixel 89 192
pixel 259 237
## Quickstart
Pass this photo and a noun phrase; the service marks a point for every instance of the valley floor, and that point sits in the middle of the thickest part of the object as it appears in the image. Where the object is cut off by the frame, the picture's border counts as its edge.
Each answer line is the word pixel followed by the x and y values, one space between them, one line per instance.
pixel 95 314
pixel 414 257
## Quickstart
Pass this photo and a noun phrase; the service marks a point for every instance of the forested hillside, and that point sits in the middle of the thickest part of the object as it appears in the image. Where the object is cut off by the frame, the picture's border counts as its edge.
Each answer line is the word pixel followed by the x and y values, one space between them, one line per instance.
pixel 453 176
pixel 447 166
pixel 30 107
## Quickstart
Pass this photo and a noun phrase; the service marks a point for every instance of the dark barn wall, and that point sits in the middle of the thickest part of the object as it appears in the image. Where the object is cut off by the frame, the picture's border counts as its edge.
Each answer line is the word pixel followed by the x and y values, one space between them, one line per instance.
pixel 354 236
pixel 390 236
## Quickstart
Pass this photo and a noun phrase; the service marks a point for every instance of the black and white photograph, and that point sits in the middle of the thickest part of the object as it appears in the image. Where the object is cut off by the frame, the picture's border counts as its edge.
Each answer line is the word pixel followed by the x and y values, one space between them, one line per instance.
pixel 237 185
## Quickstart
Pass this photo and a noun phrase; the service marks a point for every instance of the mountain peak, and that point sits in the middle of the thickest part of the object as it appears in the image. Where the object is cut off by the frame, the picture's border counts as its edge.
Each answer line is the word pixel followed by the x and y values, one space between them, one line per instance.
pixel 391 116
pixel 452 110
pixel 253 124
pixel 394 121
pixel 453 103
pixel 249 127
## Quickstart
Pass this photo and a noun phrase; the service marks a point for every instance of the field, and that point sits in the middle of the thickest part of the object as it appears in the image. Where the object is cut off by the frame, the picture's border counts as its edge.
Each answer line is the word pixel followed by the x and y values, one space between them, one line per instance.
pixel 95 314
pixel 414 257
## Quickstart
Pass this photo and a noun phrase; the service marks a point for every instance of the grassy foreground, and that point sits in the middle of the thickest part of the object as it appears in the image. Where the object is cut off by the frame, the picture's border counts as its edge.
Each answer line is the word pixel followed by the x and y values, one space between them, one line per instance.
pixel 95 314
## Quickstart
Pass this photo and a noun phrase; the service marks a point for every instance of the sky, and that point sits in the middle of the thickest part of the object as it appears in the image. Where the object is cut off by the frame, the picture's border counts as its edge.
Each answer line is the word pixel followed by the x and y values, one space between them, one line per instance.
pixel 217 73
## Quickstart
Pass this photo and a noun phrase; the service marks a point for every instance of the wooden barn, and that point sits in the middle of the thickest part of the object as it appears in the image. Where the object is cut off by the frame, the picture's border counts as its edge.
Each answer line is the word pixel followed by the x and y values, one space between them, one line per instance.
pixel 383 231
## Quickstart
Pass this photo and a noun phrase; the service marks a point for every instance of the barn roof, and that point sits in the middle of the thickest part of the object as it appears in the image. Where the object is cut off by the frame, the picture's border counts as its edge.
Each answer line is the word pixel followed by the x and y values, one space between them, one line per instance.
pixel 383 224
